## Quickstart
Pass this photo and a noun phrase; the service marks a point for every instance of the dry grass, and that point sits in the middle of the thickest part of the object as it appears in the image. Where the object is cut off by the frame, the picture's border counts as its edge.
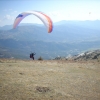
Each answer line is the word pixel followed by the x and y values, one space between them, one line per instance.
pixel 49 80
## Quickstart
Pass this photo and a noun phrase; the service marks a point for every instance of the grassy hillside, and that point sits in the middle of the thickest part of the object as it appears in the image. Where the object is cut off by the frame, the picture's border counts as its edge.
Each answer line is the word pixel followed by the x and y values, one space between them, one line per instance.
pixel 49 80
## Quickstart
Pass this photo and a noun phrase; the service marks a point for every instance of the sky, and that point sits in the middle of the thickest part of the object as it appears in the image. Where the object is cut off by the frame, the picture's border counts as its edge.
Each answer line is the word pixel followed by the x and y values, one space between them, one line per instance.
pixel 57 10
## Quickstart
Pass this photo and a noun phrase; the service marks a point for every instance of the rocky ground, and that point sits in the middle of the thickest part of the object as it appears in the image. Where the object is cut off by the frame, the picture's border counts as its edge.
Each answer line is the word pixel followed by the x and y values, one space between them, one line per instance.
pixel 85 56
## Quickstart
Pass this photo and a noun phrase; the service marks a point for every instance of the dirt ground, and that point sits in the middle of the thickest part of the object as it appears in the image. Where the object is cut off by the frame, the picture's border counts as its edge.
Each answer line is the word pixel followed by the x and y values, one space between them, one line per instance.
pixel 49 80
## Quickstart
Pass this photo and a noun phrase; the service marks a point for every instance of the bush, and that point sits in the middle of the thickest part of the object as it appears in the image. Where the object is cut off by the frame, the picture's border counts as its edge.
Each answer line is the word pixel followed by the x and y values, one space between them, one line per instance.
pixel 40 58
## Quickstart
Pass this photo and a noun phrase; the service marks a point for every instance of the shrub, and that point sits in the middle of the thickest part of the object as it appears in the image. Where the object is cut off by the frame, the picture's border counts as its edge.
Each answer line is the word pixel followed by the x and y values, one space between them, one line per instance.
pixel 40 58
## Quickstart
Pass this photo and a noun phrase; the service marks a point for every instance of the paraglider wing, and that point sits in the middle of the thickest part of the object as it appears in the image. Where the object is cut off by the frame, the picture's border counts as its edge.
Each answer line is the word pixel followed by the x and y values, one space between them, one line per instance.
pixel 43 17
pixel 49 22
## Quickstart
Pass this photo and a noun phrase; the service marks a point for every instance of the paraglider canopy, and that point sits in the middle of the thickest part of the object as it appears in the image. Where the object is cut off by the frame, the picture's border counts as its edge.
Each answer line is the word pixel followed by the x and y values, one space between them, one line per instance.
pixel 43 17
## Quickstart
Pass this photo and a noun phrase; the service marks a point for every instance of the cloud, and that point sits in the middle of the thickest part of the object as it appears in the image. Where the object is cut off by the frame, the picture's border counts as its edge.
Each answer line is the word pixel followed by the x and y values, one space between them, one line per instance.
pixel 14 12
pixel 7 10
pixel 73 15
pixel 8 17
pixel 55 13
pixel 58 15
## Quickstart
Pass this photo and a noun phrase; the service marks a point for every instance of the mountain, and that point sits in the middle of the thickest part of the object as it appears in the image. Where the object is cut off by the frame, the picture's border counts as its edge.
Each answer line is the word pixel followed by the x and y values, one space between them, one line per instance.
pixel 9 27
pixel 6 27
pixel 68 37
pixel 63 31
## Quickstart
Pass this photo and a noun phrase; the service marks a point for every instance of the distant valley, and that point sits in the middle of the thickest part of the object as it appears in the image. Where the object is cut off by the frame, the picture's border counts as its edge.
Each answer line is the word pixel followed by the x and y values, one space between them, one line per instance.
pixel 67 38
